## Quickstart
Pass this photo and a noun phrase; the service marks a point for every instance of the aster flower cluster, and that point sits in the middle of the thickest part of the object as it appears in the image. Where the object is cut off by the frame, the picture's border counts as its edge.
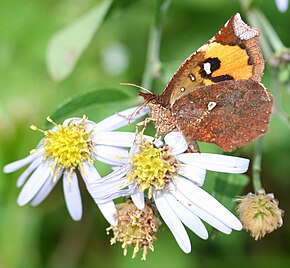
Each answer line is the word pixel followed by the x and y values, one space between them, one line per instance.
pixel 160 178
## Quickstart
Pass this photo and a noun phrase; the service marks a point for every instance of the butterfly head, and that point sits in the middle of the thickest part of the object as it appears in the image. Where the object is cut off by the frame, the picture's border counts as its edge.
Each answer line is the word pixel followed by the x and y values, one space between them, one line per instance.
pixel 150 98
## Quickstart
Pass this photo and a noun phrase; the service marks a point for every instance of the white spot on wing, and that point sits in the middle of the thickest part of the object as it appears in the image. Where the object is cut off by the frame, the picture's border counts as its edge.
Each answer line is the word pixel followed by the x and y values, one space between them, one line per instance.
pixel 206 67
pixel 182 89
pixel 192 77
pixel 211 105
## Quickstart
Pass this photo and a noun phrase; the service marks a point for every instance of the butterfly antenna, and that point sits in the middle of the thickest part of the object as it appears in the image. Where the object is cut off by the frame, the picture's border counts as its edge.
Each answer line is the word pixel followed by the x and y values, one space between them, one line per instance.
pixel 137 86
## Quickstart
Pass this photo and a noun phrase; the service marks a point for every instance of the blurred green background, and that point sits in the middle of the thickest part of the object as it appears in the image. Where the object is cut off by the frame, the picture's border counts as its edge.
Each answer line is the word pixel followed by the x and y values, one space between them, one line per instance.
pixel 46 236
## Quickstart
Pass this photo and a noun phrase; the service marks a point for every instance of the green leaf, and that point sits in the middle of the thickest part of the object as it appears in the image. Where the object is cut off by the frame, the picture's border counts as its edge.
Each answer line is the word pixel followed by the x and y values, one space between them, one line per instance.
pixel 167 70
pixel 228 186
pixel 67 45
pixel 83 100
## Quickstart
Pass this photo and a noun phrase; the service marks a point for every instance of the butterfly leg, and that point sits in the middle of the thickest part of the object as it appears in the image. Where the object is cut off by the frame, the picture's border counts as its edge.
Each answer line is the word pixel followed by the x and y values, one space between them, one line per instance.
pixel 143 126
pixel 192 146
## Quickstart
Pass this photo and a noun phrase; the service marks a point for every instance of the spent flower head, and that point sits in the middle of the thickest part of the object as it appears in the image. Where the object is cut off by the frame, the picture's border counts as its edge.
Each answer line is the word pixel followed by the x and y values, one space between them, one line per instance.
pixel 259 213
pixel 136 228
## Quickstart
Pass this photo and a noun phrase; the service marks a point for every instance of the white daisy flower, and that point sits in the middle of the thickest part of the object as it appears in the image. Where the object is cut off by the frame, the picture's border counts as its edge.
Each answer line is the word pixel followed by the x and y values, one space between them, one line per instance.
pixel 173 178
pixel 69 147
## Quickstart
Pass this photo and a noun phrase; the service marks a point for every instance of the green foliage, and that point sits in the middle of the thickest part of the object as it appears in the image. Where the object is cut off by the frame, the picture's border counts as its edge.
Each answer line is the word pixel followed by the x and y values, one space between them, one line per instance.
pixel 67 45
pixel 229 186
pixel 76 104
pixel 45 236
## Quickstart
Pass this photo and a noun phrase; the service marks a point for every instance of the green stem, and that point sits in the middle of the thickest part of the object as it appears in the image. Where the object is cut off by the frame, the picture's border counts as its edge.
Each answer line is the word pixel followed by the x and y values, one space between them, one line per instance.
pixel 257 184
pixel 260 21
pixel 254 21
pixel 152 61
pixel 269 31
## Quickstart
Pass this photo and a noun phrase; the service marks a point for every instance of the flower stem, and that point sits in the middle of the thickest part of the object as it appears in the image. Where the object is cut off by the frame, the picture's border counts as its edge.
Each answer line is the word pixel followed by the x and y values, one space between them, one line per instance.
pixel 254 21
pixel 269 31
pixel 257 184
pixel 152 61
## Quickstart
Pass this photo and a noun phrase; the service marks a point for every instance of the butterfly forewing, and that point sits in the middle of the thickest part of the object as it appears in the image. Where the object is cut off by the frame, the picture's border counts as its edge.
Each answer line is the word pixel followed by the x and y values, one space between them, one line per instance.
pixel 232 54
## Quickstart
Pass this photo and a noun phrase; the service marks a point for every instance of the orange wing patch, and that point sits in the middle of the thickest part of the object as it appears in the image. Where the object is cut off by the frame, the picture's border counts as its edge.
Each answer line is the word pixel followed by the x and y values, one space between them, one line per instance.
pixel 234 61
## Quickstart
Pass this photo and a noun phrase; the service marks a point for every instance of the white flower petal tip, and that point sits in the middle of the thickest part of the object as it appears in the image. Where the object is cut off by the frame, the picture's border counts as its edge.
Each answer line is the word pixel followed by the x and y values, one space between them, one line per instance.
pixel 193 173
pixel 213 211
pixel 172 221
pixel 72 196
pixel 282 5
pixel 216 162
pixel 109 211
pixel 11 167
pixel 187 217
pixel 176 141
pixel 236 225
pixel 138 200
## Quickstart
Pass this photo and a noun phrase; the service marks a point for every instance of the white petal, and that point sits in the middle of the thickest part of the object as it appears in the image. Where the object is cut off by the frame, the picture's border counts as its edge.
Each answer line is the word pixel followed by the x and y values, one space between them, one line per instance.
pixel 194 174
pixel 216 162
pixel 121 119
pixel 176 141
pixel 109 211
pixel 22 178
pixel 101 190
pixel 187 217
pixel 89 173
pixel 116 175
pixel 35 182
pixel 45 189
pixel 116 194
pixel 138 199
pixel 111 155
pixel 172 221
pixel 200 212
pixel 106 186
pixel 205 201
pixel 72 196
pixel 282 5
pixel 22 162
pixel 119 139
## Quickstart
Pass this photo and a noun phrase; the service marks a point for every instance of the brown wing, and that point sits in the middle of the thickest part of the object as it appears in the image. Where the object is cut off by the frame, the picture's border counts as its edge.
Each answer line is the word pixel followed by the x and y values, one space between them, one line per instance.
pixel 233 54
pixel 229 114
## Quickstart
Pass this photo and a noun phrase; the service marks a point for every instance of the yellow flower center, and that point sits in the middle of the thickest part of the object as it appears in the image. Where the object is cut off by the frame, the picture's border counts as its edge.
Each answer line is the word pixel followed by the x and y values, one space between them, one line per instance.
pixel 152 168
pixel 136 228
pixel 68 146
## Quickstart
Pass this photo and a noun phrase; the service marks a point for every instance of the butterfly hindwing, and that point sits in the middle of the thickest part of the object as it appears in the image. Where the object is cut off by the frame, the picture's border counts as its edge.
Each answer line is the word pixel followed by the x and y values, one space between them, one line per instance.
pixel 229 113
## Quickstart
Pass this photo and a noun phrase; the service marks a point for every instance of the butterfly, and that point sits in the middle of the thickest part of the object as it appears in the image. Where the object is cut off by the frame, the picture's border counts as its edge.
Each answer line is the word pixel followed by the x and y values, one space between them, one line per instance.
pixel 215 95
